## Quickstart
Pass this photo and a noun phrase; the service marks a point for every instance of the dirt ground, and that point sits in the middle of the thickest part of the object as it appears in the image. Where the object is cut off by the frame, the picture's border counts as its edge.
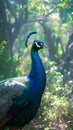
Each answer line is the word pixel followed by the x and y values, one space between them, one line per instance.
pixel 36 124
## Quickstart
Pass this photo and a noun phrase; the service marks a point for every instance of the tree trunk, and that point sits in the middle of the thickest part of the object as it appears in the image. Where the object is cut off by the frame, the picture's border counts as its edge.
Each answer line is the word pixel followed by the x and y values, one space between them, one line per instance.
pixel 13 29
pixel 2 22
pixel 9 30
pixel 49 41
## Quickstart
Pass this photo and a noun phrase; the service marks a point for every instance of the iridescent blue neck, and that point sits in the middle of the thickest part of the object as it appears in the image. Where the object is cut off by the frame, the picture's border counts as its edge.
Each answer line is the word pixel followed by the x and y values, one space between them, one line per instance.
pixel 37 77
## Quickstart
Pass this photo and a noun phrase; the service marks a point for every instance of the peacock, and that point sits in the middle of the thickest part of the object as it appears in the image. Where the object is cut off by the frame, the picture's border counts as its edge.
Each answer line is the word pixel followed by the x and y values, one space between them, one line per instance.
pixel 20 97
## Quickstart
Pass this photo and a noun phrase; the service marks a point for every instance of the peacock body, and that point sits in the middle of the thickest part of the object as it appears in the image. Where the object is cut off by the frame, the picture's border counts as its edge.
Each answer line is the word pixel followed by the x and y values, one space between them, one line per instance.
pixel 19 102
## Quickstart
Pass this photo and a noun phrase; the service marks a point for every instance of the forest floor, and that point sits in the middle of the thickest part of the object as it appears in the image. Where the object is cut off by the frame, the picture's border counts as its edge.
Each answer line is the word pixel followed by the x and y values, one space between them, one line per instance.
pixel 36 124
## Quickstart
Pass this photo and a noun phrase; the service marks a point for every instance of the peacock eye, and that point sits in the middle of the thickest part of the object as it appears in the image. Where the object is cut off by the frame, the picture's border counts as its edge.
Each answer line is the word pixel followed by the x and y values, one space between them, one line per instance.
pixel 41 44
pixel 38 45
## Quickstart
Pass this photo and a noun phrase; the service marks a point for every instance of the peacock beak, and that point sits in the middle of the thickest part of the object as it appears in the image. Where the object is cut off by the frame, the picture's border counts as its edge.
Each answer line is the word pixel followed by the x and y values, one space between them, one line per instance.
pixel 45 46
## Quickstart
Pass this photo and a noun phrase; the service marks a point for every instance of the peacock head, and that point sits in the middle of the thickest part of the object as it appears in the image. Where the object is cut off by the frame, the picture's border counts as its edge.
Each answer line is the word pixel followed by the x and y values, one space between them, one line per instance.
pixel 37 45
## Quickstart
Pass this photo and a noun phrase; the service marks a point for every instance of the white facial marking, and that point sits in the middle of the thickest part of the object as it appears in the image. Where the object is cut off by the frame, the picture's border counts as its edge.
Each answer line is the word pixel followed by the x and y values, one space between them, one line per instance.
pixel 37 45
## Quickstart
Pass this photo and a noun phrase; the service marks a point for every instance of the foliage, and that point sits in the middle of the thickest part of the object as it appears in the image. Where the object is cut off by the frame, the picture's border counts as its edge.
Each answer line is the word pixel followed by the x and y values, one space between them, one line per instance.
pixel 8 63
pixel 56 105
pixel 64 7
pixel 54 93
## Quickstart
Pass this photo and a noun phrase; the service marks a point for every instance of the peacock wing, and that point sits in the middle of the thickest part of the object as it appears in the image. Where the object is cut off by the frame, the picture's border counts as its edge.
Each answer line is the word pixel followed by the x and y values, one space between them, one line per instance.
pixel 13 94
pixel 22 79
